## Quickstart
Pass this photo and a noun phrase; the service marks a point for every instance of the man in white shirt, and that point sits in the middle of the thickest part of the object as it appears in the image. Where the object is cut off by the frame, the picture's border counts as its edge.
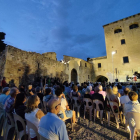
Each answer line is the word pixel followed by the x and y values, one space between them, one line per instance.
pixel 125 99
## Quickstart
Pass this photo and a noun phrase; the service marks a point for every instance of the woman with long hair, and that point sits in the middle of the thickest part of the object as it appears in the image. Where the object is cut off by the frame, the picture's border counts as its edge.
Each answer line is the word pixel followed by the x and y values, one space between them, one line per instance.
pixel 33 113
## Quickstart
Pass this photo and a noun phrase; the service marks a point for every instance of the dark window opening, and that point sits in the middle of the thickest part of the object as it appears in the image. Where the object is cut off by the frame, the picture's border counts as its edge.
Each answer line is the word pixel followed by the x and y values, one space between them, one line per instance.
pixel 117 31
pixel 85 64
pixel 19 69
pixel 133 26
pixel 123 41
pixel 99 65
pixel 125 59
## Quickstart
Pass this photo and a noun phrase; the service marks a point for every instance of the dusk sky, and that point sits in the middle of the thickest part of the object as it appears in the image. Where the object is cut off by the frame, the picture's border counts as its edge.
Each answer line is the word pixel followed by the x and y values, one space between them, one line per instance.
pixel 67 27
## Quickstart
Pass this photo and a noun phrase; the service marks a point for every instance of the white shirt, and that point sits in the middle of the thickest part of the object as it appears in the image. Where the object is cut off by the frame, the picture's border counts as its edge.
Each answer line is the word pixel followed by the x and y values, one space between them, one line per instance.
pixel 132 106
pixel 32 118
pixel 124 99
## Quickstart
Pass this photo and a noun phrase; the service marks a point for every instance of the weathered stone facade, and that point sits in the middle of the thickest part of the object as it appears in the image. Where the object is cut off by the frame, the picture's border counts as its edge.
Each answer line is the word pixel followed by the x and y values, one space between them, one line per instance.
pixel 25 66
pixel 122 37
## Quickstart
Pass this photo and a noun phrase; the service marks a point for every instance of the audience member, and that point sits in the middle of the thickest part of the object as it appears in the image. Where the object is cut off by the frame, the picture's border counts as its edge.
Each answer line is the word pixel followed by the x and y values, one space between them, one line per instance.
pixel 30 92
pixel 69 113
pixel 50 126
pixel 125 99
pixel 9 104
pixel 75 92
pixel 33 113
pixel 20 108
pixel 115 91
pixel 39 94
pixel 98 96
pixel 133 105
pixel 101 91
pixel 0 89
pixel 5 93
pixel 4 84
pixel 47 95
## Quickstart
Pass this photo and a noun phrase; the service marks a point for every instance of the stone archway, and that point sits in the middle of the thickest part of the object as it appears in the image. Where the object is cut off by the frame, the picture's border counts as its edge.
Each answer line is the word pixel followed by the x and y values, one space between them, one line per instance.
pixel 101 78
pixel 74 76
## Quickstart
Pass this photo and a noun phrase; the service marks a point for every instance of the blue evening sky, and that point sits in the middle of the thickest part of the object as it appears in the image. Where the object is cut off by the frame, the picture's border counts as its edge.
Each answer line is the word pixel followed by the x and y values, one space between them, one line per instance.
pixel 67 27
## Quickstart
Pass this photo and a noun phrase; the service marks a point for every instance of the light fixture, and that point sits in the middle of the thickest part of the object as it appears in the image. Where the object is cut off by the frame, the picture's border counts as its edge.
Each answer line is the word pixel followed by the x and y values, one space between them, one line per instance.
pixel 113 52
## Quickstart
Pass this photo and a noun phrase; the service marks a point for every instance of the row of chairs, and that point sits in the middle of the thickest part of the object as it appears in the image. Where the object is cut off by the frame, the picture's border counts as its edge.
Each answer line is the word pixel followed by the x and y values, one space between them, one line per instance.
pixel 96 109
pixel 7 122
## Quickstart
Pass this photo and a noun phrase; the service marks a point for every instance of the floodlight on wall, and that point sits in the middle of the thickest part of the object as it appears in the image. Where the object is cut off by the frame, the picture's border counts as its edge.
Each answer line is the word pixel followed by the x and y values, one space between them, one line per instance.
pixel 113 52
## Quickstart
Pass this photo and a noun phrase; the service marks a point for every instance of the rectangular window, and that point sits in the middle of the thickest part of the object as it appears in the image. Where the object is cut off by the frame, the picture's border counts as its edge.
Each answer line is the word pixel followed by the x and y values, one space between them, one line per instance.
pixel 99 65
pixel 85 64
pixel 125 59
pixel 122 41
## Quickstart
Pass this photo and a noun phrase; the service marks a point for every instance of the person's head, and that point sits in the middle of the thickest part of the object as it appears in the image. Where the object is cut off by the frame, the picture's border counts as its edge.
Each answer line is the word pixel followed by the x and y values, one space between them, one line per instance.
pixel 6 90
pixel 96 89
pixel 32 103
pixel 4 78
pixel 100 88
pixel 133 96
pixel 89 88
pixel 108 89
pixel 20 99
pixel 79 88
pixel 54 105
pixel 75 88
pixel 62 87
pixel 126 91
pixel 38 89
pixel 47 91
pixel 13 92
pixel 58 92
pixel 115 90
pixel 87 91
pixel 134 88
pixel 85 86
pixel 30 87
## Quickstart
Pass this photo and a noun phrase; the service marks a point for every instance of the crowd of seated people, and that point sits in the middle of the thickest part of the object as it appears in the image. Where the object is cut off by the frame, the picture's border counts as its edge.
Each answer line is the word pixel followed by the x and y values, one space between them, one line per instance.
pixel 26 103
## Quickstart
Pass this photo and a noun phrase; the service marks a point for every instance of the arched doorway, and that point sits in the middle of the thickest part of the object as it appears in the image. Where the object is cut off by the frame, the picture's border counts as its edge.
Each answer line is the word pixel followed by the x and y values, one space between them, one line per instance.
pixel 74 76
pixel 101 78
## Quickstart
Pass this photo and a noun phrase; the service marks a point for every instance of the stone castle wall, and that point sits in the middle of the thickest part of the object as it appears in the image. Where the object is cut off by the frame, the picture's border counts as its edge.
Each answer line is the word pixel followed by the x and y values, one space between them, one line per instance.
pixel 22 66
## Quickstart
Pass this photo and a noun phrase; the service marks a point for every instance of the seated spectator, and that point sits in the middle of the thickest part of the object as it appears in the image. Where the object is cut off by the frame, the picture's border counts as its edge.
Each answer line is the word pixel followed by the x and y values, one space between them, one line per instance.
pixel 50 126
pixel 87 94
pixel 80 90
pixel 30 92
pixel 67 89
pixel 22 89
pixel 101 91
pixel 98 96
pixel 47 95
pixel 133 105
pixel 120 90
pixel 20 107
pixel 5 93
pixel 125 99
pixel 39 94
pixel 115 91
pixel 111 97
pixel 69 113
pixel 84 89
pixel 91 91
pixel 134 88
pixel 33 113
pixel 75 92
pixel 9 104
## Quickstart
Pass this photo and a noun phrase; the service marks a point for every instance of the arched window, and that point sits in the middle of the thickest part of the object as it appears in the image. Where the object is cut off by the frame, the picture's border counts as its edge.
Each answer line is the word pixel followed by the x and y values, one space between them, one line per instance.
pixel 133 26
pixel 117 31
